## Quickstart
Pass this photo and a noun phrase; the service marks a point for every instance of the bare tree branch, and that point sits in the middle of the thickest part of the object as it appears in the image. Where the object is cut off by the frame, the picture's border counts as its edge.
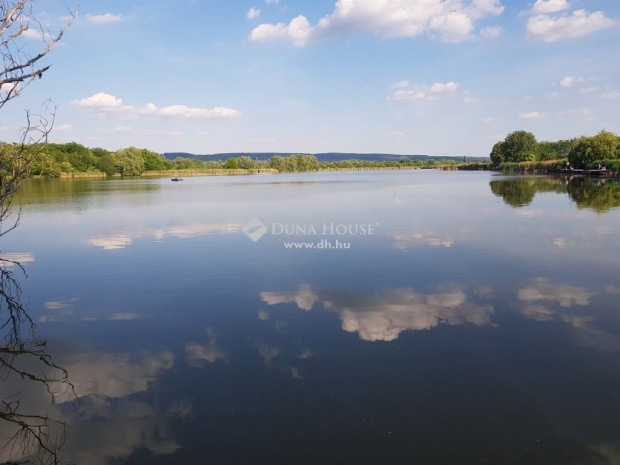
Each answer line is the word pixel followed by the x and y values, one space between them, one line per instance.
pixel 23 354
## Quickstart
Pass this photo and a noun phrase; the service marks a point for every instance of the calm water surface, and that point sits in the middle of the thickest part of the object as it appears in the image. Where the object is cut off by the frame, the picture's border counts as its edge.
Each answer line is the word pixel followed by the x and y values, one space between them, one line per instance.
pixel 411 317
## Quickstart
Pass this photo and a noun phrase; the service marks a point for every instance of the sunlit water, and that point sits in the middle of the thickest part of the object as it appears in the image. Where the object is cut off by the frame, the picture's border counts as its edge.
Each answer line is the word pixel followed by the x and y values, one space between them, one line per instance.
pixel 426 317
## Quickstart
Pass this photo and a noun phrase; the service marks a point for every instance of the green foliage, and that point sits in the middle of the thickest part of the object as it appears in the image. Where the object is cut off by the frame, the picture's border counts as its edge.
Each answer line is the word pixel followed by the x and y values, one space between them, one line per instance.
pixel 596 195
pixel 521 191
pixel 497 153
pixel 181 163
pixel 232 164
pixel 584 152
pixel 519 146
pixel 129 162
pixel 555 150
pixel 154 161
pixel 588 150
pixel 246 163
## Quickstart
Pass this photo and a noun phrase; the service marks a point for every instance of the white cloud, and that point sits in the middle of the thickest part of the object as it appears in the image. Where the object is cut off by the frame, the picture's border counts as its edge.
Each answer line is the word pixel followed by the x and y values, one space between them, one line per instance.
pixel 99 100
pixel 566 296
pixel 396 134
pixel 297 31
pixel 569 81
pixel 113 375
pixel 181 231
pixel 532 115
pixel 10 259
pixel 197 354
pixel 272 2
pixel 490 32
pixel 62 127
pixel 119 241
pixel 611 95
pixel 36 34
pixel 253 13
pixel 383 315
pixel 451 21
pixel 489 120
pixel 404 90
pixel 107 18
pixel 549 6
pixel 579 23
pixel 107 104
pixel 198 113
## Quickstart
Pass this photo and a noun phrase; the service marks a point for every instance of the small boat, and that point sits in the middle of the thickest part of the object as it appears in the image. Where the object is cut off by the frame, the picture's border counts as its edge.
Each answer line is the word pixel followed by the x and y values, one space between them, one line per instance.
pixel 176 179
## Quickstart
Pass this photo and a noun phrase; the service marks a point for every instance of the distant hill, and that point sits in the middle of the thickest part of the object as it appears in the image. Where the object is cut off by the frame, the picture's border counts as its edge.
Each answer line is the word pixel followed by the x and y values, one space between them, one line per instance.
pixel 328 156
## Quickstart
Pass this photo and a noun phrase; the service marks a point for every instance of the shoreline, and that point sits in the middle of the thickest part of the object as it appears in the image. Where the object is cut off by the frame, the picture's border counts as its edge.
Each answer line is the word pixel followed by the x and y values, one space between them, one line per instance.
pixel 246 172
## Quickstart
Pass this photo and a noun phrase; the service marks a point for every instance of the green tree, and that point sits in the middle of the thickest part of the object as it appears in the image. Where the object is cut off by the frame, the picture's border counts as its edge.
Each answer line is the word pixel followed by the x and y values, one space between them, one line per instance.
pixel 520 146
pixel 154 161
pixel 232 163
pixel 129 161
pixel 246 163
pixel 497 153
pixel 590 150
pixel 276 162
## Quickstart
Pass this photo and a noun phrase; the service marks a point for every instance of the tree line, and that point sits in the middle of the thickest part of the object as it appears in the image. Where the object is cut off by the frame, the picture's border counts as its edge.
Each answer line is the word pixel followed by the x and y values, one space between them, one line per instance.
pixel 52 160
pixel 586 152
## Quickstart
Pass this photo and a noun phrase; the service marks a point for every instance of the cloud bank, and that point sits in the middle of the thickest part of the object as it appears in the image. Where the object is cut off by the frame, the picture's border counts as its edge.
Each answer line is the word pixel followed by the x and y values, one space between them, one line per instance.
pixel 106 104
pixel 451 21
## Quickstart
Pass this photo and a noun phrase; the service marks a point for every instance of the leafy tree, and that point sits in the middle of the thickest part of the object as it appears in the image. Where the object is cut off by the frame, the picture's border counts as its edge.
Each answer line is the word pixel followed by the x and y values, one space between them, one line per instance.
pixel 181 163
pixel 497 153
pixel 554 150
pixel 588 150
pixel 520 146
pixel 276 162
pixel 154 161
pixel 596 195
pixel 129 161
pixel 246 163
pixel 232 163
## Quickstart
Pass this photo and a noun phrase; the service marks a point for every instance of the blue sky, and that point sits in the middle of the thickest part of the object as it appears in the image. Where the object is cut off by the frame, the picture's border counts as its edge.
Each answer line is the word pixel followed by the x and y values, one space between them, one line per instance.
pixel 439 77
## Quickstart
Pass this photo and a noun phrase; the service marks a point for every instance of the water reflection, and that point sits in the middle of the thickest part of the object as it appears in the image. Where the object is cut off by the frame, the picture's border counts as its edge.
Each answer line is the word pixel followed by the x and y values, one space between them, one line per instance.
pixel 197 354
pixel 600 195
pixel 31 379
pixel 181 231
pixel 546 300
pixel 502 324
pixel 382 316
pixel 79 192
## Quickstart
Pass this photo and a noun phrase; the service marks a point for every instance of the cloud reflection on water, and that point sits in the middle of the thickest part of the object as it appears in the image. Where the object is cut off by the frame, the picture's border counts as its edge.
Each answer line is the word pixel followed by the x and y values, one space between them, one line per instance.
pixel 122 240
pixel 382 316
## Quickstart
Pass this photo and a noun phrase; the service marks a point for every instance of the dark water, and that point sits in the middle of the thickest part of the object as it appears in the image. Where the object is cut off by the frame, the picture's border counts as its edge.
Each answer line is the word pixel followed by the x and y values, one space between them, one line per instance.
pixel 444 318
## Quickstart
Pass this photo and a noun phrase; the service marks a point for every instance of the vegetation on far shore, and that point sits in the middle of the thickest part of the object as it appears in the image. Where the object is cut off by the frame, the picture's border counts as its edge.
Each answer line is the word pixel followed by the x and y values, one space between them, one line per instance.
pixel 518 151
pixel 521 151
pixel 59 160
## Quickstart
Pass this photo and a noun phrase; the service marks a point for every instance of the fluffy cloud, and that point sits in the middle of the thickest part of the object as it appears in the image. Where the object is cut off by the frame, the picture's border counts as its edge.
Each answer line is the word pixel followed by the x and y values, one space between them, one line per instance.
pixel 107 375
pixel 382 316
pixel 99 100
pixel 197 354
pixel 570 81
pixel 566 296
pixel 253 13
pixel 451 21
pixel 106 104
pixel 579 23
pixel 10 259
pixel 106 18
pixel 405 91
pixel 549 6
pixel 532 115
pixel 181 231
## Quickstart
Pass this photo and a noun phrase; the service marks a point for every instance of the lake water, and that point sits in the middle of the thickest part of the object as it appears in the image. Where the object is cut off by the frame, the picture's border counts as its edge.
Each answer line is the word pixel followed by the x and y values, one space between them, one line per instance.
pixel 401 317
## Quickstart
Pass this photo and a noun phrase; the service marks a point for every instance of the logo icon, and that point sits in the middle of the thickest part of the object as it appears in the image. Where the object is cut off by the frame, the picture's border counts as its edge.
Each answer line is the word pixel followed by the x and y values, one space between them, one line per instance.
pixel 254 229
